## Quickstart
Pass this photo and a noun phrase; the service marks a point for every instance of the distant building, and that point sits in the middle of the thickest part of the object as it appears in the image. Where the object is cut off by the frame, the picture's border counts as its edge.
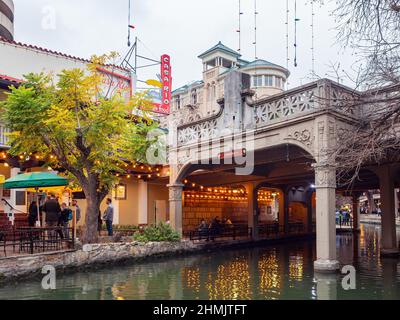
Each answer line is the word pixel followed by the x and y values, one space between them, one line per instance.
pixel 198 99
pixel 7 19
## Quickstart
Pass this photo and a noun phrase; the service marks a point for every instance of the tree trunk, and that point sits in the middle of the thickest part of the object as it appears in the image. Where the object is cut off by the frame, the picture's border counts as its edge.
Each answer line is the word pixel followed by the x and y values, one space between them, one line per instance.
pixel 94 197
pixel 91 234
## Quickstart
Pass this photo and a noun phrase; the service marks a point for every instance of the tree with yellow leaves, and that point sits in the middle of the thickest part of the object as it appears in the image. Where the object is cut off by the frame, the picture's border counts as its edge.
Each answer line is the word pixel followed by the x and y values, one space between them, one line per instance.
pixel 76 126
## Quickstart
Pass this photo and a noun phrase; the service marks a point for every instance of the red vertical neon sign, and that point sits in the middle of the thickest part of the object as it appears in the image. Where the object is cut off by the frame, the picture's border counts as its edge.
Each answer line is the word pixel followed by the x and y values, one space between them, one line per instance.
pixel 166 76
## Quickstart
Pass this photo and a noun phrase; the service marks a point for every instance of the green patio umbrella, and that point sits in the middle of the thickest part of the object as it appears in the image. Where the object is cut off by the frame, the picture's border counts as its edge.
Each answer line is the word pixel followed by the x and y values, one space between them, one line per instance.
pixel 35 180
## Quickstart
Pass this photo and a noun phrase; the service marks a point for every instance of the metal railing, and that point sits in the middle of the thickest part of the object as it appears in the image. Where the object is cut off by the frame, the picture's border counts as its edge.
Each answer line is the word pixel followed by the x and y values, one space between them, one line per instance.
pixel 233 232
pixel 36 240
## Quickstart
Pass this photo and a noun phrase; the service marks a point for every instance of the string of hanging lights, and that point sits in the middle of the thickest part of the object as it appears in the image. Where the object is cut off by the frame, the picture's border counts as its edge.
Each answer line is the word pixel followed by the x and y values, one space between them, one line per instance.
pixel 132 170
pixel 195 191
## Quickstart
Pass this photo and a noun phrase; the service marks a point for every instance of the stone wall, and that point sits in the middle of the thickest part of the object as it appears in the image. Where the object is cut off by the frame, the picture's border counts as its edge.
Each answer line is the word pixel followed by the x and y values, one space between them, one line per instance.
pixel 90 255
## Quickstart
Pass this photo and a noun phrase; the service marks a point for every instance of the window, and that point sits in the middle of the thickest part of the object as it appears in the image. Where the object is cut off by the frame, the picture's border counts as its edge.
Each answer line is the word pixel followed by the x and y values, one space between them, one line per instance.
pixel 268 81
pixel 278 82
pixel 257 81
pixel 194 96
pixel 178 102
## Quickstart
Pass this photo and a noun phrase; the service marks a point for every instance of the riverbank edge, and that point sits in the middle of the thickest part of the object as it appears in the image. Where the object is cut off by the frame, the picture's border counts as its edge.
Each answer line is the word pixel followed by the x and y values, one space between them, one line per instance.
pixel 97 256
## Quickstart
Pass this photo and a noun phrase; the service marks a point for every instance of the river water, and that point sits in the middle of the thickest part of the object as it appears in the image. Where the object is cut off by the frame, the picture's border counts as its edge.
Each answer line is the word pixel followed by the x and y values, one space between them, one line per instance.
pixel 267 273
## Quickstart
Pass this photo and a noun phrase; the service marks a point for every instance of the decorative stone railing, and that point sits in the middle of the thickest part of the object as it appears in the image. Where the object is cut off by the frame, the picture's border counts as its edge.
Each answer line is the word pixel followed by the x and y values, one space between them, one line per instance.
pixel 202 130
pixel 314 97
pixel 281 107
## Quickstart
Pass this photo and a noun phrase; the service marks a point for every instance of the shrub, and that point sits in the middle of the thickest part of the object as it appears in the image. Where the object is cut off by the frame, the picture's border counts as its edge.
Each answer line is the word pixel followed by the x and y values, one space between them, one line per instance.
pixel 159 233
pixel 120 227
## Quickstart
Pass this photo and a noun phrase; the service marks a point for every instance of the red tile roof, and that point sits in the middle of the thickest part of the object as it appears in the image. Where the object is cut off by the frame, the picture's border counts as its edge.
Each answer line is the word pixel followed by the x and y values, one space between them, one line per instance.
pixel 10 79
pixel 29 46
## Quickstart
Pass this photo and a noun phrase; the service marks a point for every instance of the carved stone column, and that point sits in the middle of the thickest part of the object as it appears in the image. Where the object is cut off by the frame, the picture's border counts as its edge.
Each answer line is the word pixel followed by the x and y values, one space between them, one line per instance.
pixel 325 184
pixel 389 245
pixel 175 206
pixel 252 214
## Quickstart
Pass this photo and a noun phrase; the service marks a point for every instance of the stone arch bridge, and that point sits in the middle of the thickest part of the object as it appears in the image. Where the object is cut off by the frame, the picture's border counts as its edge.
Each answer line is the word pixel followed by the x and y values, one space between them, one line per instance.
pixel 283 142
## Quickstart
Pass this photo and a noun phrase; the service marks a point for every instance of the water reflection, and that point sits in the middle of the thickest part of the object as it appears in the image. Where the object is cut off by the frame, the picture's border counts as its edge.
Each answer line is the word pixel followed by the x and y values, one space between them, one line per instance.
pixel 277 272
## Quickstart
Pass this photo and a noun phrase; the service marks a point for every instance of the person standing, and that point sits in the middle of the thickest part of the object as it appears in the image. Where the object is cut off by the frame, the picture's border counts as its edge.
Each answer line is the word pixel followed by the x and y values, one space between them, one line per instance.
pixel 108 217
pixel 77 210
pixel 64 219
pixel 33 214
pixel 53 211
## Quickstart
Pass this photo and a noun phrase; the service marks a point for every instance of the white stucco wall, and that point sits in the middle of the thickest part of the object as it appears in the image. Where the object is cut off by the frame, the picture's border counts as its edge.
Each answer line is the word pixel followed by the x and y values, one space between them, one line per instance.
pixel 18 60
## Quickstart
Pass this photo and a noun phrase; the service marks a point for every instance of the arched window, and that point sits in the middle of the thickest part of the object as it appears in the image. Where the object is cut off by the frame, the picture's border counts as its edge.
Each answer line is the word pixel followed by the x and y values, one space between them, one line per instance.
pixel 194 96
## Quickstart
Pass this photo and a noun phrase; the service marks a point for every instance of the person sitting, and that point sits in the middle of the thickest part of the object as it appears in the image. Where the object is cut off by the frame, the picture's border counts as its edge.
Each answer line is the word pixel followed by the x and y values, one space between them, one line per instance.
pixel 228 223
pixel 203 228
pixel 215 228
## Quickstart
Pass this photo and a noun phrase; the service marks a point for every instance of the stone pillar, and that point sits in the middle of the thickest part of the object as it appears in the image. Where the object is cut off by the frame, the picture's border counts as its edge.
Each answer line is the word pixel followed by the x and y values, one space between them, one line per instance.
pixel 388 239
pixel 325 184
pixel 371 202
pixel 356 212
pixel 309 211
pixel 286 211
pixel 175 206
pixel 252 210
pixel 142 203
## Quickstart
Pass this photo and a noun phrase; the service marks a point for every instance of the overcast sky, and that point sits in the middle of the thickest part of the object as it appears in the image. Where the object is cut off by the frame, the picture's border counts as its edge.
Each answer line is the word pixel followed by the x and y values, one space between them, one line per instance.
pixel 183 29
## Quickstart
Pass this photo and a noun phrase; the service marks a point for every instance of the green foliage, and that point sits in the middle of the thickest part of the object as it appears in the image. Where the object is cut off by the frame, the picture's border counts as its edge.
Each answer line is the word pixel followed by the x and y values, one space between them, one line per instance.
pixel 121 227
pixel 160 233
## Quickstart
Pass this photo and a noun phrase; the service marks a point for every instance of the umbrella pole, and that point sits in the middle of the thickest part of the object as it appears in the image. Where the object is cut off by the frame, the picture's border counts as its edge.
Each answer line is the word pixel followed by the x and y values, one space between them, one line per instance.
pixel 38 205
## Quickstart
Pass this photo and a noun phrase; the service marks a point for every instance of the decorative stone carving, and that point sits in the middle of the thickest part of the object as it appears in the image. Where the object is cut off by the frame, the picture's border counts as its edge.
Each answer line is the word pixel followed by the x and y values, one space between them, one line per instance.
pixel 325 176
pixel 201 131
pixel 175 192
pixel 280 109
pixel 303 136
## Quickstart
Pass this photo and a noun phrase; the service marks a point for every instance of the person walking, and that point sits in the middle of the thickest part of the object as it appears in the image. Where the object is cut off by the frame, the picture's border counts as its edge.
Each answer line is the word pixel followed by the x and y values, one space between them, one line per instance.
pixel 108 217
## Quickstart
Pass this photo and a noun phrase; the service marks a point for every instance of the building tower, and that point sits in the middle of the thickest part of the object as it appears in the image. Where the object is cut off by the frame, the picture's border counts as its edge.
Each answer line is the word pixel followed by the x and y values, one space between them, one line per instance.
pixel 7 19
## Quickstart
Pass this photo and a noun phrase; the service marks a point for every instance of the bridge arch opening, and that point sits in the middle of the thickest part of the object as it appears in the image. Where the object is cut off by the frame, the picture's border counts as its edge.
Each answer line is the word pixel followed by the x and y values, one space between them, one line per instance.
pixel 271 202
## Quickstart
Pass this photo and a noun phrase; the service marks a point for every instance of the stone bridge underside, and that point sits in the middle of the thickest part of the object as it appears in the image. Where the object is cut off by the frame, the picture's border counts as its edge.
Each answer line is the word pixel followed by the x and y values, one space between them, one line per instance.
pixel 287 138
